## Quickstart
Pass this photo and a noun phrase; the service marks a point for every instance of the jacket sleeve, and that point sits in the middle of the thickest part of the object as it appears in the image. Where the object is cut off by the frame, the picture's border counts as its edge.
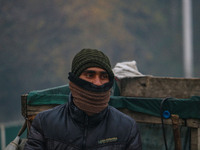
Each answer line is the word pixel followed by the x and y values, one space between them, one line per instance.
pixel 134 142
pixel 35 138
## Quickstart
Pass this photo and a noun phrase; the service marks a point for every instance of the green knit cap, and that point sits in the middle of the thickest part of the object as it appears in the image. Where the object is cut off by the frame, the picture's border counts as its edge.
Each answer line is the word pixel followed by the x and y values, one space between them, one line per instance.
pixel 91 58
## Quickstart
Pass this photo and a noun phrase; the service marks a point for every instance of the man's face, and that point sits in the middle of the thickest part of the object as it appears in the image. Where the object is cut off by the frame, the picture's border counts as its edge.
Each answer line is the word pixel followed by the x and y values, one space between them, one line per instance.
pixel 95 75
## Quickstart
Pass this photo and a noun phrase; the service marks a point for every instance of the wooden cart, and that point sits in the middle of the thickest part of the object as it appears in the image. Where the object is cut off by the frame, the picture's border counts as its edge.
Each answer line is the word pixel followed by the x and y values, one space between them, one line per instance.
pixel 146 87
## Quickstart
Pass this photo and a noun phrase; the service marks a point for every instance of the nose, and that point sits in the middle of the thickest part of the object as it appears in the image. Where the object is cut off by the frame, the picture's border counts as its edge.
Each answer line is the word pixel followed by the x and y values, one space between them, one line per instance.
pixel 97 81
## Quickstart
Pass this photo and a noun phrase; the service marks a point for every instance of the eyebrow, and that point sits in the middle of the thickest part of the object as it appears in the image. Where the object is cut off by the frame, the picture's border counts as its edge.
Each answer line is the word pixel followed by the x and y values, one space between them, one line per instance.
pixel 91 71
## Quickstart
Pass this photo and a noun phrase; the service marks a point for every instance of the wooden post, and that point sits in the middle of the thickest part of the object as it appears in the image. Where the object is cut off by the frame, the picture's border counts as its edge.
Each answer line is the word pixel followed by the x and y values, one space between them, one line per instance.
pixel 176 131
pixel 3 137
pixel 24 105
pixel 195 138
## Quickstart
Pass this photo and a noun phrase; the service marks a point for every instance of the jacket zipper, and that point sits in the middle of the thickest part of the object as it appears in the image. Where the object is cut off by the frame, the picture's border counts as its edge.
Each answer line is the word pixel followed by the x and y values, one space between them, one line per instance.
pixel 85 132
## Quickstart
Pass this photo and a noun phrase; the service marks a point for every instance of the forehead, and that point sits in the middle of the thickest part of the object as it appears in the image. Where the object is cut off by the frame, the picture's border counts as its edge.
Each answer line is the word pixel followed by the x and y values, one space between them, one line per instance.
pixel 96 69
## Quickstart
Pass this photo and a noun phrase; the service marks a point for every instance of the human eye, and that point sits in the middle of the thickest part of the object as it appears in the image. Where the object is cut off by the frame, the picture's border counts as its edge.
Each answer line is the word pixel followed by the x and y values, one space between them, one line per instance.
pixel 89 75
pixel 104 76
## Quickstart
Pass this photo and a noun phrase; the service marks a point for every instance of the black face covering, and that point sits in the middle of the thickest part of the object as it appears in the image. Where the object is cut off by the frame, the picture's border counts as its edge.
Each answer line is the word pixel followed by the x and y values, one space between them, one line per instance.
pixel 89 86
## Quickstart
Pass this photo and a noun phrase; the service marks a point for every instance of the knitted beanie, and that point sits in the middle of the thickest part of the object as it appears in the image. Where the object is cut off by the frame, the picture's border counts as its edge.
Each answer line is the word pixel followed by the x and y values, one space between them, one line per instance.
pixel 91 58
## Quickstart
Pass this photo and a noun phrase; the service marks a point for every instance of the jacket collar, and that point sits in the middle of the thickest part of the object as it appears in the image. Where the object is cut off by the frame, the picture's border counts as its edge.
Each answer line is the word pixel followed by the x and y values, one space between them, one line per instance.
pixel 82 118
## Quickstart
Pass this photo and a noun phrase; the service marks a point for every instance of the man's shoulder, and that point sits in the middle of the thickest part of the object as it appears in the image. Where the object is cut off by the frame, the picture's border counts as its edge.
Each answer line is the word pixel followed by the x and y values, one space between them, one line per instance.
pixel 121 116
pixel 53 111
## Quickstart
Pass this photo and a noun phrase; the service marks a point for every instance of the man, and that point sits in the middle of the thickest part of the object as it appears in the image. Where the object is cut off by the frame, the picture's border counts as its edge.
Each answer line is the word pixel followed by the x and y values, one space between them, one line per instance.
pixel 86 122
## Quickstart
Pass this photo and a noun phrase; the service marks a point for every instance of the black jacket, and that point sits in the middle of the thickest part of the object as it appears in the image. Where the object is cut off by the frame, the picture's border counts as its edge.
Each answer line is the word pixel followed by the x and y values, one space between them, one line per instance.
pixel 66 127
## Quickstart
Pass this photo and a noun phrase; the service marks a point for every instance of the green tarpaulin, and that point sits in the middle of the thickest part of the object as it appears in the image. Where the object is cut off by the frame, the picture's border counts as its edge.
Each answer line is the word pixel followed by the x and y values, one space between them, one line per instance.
pixel 185 108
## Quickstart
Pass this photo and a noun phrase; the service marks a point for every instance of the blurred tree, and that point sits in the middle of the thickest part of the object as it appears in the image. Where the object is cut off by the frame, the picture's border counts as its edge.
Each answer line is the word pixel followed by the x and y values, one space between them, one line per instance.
pixel 39 39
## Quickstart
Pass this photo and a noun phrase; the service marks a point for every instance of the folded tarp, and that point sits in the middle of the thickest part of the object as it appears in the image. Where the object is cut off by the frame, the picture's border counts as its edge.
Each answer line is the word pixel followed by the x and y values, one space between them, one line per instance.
pixel 185 108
